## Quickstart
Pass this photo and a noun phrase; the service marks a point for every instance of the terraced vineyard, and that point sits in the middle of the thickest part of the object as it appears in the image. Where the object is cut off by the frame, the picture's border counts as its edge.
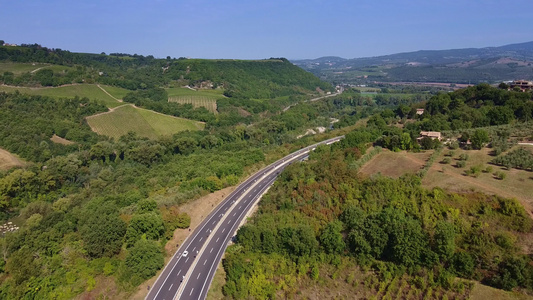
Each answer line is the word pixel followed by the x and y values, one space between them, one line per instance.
pixel 90 91
pixel 147 123
pixel 203 98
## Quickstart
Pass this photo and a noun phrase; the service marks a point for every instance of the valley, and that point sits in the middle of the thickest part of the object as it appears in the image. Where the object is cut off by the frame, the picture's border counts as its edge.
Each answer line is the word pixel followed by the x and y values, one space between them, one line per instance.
pixel 118 170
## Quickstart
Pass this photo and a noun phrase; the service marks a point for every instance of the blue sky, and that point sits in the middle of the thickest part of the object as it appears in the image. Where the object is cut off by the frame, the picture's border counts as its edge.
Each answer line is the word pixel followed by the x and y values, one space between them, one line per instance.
pixel 262 29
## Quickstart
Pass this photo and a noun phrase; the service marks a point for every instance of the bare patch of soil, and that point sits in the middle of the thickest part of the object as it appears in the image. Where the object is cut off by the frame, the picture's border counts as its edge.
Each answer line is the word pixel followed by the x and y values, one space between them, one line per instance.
pixel 395 164
pixel 243 112
pixel 8 160
pixel 59 140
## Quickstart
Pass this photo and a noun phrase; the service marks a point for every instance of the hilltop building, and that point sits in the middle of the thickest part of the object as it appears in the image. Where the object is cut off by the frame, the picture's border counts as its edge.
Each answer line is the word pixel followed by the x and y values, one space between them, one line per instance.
pixel 523 85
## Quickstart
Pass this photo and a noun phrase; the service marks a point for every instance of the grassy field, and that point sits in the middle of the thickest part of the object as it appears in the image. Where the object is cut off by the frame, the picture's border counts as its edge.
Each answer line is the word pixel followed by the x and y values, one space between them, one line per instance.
pixel 395 164
pixel 483 292
pixel 8 160
pixel 517 184
pixel 201 98
pixel 116 92
pixel 19 68
pixel 144 122
pixel 90 91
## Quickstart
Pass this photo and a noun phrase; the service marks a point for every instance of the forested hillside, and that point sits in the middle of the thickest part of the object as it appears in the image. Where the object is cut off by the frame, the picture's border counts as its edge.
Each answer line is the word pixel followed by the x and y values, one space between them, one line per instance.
pixel 94 216
pixel 28 122
pixel 323 224
pixel 380 237
pixel 261 79
pixel 461 112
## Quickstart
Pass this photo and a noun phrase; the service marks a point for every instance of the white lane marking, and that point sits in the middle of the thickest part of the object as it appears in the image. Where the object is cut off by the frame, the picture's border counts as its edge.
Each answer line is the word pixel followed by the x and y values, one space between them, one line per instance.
pixel 189 241
pixel 234 214
pixel 224 229
pixel 179 272
pixel 205 262
pixel 170 287
pixel 187 259
pixel 214 222
pixel 269 180
pixel 201 239
pixel 255 190
pixel 198 276
pixel 211 250
pixel 217 240
pixel 193 249
pixel 191 291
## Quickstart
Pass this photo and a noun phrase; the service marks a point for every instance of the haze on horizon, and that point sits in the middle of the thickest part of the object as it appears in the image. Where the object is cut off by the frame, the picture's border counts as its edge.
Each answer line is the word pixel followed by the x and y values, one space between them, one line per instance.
pixel 261 29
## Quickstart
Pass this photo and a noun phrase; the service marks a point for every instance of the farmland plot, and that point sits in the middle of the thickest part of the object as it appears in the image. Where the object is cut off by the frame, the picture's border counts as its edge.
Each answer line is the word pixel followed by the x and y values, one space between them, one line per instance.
pixel 197 101
pixel 91 91
pixel 200 98
pixel 146 123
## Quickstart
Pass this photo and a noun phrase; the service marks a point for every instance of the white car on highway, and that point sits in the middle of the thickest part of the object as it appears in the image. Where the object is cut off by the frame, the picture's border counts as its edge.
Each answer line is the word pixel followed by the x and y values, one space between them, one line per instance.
pixel 185 253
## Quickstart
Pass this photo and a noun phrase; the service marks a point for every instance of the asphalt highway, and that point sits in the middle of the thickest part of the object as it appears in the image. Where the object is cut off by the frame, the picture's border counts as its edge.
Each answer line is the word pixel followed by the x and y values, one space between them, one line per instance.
pixel 189 273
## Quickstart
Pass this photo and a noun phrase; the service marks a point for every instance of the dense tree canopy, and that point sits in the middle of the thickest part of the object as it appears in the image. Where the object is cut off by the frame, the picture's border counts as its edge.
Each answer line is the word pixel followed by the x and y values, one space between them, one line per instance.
pixel 321 211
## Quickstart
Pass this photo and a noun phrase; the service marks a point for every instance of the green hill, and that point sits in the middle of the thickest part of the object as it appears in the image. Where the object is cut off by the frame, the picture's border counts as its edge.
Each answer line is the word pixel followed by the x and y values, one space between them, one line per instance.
pixel 259 79
pixel 469 66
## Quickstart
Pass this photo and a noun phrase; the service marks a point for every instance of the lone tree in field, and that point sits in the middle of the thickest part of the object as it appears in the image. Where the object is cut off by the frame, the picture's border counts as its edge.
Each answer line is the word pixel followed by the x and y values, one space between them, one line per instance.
pixel 479 139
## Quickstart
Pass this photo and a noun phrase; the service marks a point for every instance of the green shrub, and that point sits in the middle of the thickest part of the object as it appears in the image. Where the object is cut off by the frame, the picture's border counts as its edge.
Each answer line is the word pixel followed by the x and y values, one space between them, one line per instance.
pixel 463 264
pixel 144 260
pixel 453 145
pixel 500 175
pixel 150 224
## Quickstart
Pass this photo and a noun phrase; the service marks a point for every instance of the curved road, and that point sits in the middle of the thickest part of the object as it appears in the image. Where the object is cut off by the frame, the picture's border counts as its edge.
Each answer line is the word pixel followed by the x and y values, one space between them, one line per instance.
pixel 189 273
pixel 315 99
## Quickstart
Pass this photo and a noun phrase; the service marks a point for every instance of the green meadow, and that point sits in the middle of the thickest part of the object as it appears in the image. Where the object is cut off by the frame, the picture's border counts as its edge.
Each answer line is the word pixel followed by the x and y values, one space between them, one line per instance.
pixel 144 122
pixel 91 91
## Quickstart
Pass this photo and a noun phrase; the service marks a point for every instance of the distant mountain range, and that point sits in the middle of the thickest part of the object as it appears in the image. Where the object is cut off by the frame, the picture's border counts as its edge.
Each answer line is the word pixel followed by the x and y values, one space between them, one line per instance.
pixel 470 65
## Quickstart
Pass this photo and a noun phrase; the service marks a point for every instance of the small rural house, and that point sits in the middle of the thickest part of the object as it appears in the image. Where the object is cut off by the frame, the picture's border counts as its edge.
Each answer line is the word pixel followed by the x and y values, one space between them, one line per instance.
pixel 431 134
